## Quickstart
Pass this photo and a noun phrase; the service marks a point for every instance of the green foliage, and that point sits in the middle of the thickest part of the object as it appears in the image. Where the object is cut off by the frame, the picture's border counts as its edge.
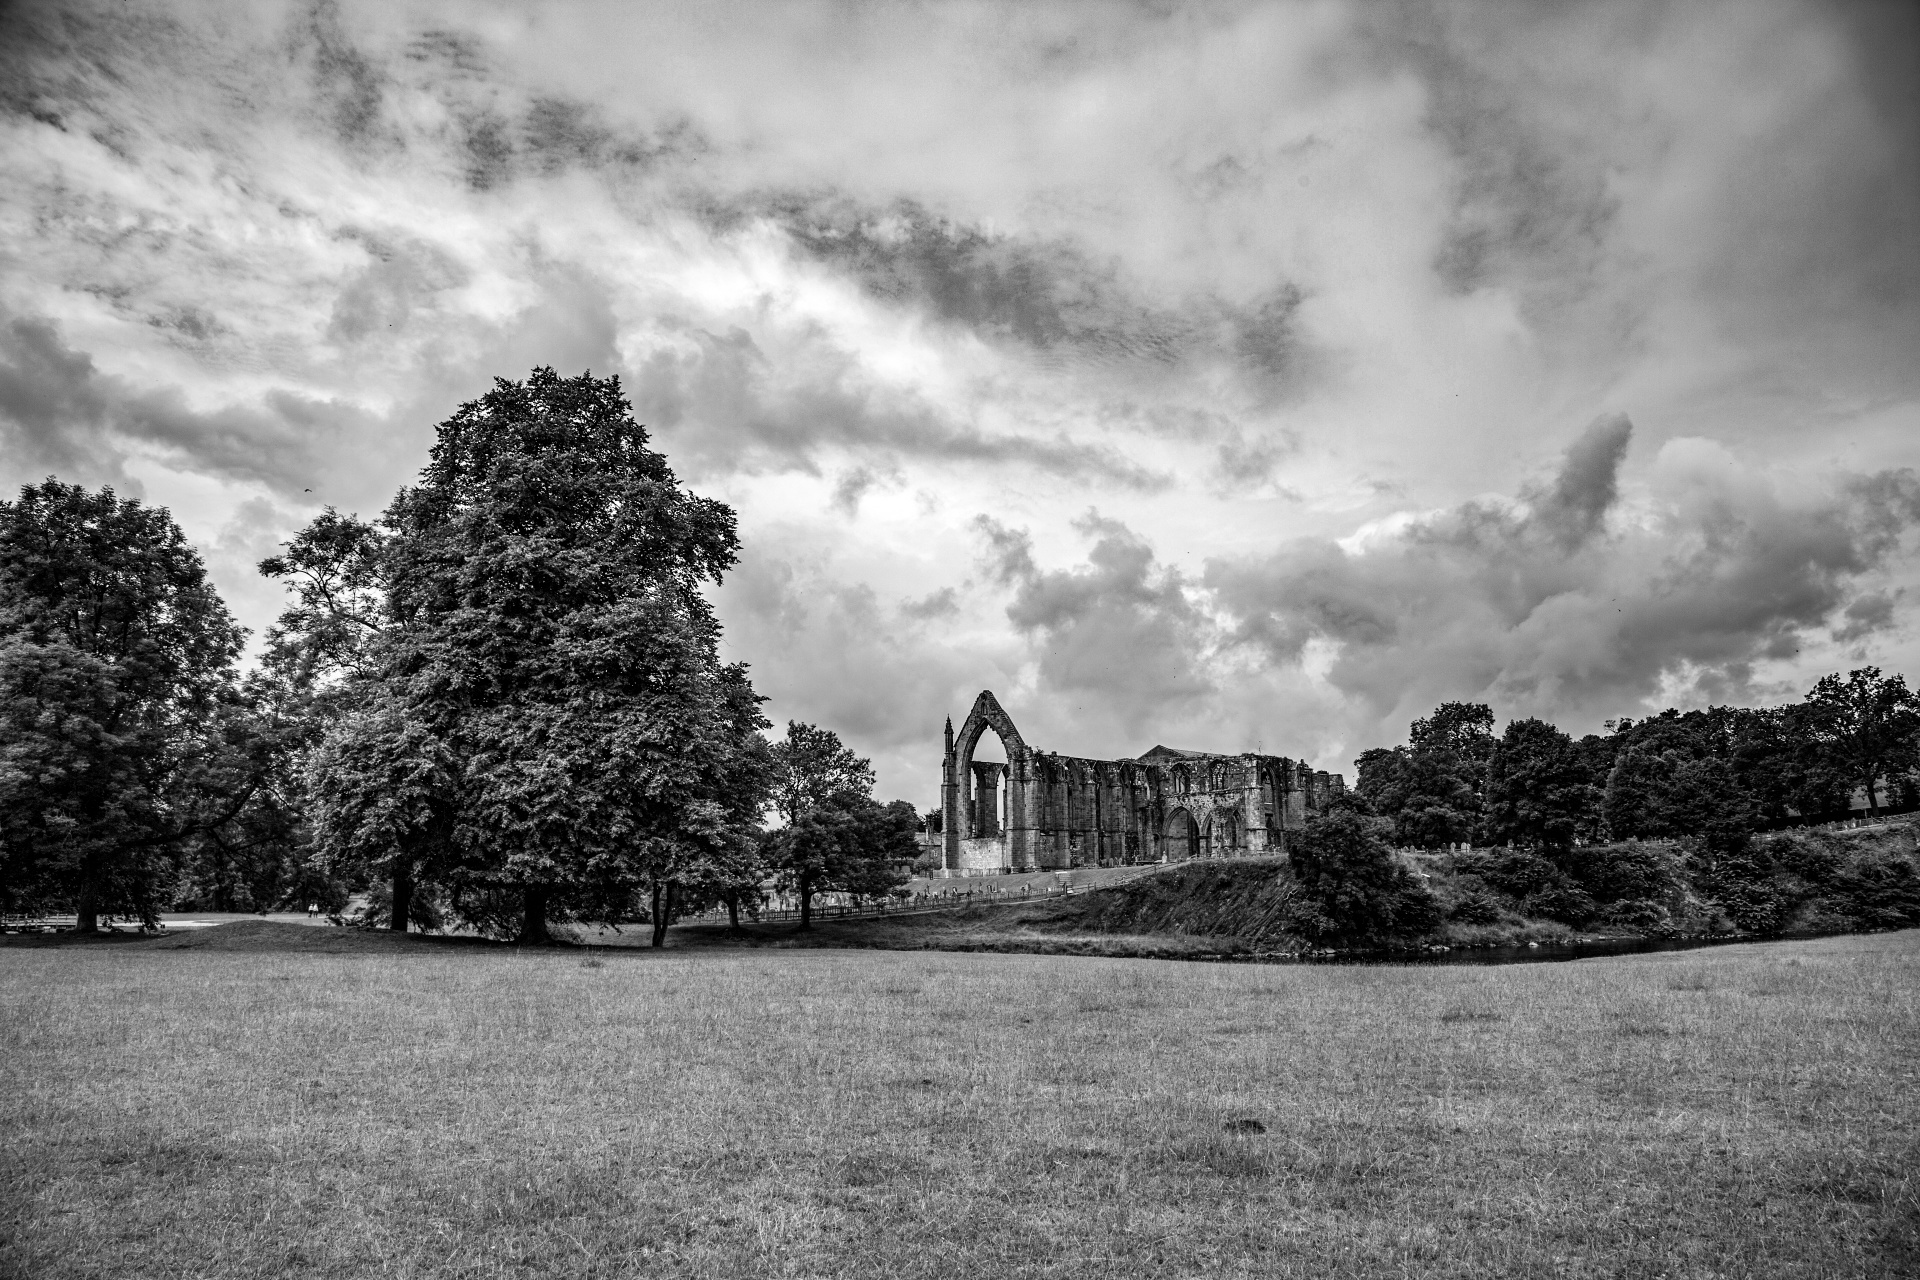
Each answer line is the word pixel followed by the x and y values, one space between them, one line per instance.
pixel 1538 792
pixel 1715 774
pixel 335 568
pixel 1622 872
pixel 125 743
pixel 1868 727
pixel 1463 728
pixel 854 846
pixel 1473 904
pixel 1670 793
pixel 383 789
pixel 1537 886
pixel 1877 892
pixel 1352 887
pixel 814 769
pixel 1431 789
pixel 528 653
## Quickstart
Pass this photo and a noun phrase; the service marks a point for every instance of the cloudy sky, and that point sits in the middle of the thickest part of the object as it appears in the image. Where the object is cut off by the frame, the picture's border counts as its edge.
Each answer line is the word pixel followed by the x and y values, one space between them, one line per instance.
pixel 1230 376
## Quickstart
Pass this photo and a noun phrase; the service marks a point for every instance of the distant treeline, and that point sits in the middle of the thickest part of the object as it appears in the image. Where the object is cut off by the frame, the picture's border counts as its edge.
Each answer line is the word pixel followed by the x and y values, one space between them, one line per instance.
pixel 1652 827
pixel 1714 775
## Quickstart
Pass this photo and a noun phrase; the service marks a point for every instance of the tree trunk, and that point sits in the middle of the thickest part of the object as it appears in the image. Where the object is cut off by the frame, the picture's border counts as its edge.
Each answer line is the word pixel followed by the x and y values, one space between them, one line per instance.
pixel 86 911
pixel 533 922
pixel 402 896
pixel 1873 806
pixel 662 908
pixel 733 910
pixel 806 902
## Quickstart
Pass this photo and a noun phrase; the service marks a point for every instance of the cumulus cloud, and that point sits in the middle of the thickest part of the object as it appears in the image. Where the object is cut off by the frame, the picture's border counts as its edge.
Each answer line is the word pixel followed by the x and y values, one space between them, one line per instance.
pixel 883 674
pixel 1574 602
pixel 1119 629
pixel 59 413
pixel 727 405
pixel 1294 294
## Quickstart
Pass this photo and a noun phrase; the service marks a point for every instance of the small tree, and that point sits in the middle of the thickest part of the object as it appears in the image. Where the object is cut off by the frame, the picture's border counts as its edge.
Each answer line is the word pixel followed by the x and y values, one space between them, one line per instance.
pixel 813 768
pixel 853 846
pixel 1354 888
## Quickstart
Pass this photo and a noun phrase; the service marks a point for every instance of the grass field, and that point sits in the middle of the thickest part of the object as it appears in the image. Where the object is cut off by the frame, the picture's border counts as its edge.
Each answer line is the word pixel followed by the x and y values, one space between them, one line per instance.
pixel 230 1108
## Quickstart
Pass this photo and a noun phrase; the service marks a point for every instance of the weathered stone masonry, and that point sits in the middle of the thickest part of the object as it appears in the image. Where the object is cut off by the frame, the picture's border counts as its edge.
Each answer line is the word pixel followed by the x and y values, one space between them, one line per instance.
pixel 1041 811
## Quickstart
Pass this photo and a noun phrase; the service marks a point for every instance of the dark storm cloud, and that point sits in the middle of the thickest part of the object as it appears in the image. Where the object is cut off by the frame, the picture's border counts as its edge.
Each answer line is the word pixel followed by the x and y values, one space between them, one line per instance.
pixel 1866 616
pixel 725 406
pixel 403 273
pixel 834 653
pixel 1048 295
pixel 349 85
pixel 1042 294
pixel 59 413
pixel 1527 209
pixel 1120 626
pixel 1567 603
pixel 1576 505
pixel 53 412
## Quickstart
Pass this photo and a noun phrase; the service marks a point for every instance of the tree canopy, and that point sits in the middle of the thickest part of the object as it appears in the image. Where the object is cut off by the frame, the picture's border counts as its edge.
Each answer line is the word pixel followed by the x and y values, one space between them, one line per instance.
pixel 122 739
pixel 836 836
pixel 538 661
pixel 1868 725
pixel 1353 888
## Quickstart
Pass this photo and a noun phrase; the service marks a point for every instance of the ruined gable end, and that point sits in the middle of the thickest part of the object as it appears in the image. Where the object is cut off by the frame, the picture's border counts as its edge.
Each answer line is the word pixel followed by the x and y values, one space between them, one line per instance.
pixel 1042 811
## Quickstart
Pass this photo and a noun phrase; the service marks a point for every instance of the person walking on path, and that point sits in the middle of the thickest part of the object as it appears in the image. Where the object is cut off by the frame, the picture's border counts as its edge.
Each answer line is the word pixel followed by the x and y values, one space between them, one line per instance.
pixel 313 910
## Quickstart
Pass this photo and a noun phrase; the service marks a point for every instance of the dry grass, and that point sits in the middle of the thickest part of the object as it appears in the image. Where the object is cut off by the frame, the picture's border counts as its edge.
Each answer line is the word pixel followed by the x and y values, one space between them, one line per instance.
pixel 469 1112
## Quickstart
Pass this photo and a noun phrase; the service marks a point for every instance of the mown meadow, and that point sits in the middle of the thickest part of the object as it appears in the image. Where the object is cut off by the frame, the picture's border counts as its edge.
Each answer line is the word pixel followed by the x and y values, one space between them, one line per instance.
pixel 229 1109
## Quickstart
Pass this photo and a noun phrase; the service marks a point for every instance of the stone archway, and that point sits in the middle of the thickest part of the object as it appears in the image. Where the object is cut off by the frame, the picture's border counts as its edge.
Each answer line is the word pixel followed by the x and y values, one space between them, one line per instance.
pixel 1226 835
pixel 970 812
pixel 1182 835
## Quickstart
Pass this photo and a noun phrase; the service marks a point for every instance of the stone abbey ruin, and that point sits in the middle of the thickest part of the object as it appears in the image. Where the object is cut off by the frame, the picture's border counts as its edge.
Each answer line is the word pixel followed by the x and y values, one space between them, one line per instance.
pixel 1046 812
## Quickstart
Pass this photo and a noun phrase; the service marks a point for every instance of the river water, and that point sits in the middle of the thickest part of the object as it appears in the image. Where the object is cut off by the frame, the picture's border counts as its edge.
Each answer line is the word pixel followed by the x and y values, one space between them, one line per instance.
pixel 1541 954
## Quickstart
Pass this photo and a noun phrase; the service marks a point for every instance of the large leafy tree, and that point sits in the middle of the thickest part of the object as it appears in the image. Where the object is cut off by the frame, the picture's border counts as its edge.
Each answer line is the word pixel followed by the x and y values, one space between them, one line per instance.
pixel 335 568
pixel 543 666
pixel 1778 761
pixel 1867 727
pixel 122 736
pixel 1538 793
pixel 1432 788
pixel 1464 728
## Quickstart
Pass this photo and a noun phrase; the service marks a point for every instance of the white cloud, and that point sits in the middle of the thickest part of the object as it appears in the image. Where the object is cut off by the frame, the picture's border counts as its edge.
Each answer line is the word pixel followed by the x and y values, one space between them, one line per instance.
pixel 1239 276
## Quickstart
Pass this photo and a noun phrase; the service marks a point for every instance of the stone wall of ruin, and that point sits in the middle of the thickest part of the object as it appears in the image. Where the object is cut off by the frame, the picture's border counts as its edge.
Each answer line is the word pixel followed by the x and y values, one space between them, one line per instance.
pixel 1071 811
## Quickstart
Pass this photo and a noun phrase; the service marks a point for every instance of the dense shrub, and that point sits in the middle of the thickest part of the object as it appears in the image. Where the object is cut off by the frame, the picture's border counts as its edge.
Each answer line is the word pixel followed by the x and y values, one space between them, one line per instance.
pixel 1877 892
pixel 1475 906
pixel 1643 914
pixel 1562 900
pixel 1515 872
pixel 1808 856
pixel 1352 888
pixel 1622 872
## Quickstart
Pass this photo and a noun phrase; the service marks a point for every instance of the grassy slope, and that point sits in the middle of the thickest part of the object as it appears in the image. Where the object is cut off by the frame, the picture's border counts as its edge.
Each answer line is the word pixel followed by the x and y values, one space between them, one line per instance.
pixel 1195 909
pixel 221 1110
pixel 1238 906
